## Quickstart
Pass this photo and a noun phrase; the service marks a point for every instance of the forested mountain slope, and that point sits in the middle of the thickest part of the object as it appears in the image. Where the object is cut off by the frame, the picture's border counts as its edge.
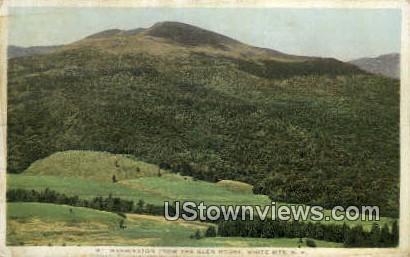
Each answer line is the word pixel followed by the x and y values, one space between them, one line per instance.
pixel 300 129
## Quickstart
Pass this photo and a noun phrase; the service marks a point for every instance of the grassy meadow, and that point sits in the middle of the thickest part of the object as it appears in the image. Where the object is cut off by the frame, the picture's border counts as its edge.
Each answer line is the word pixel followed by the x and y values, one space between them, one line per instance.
pixel 49 224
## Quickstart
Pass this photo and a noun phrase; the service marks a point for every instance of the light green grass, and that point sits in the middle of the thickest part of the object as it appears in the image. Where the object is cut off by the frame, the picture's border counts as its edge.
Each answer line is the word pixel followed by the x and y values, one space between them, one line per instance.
pixel 44 224
pixel 169 188
pixel 52 212
pixel 99 166
pixel 153 190
pixel 235 185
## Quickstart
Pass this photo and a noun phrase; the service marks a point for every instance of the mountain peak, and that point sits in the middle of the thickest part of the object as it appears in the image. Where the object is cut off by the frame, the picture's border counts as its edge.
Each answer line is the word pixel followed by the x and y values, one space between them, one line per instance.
pixel 115 32
pixel 188 34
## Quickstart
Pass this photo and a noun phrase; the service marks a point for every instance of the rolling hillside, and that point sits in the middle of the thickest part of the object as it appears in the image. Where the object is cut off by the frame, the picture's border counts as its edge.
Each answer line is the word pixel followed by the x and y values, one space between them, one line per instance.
pixel 72 173
pixel 93 165
pixel 387 65
pixel 299 129
pixel 60 227
pixel 40 223
pixel 17 51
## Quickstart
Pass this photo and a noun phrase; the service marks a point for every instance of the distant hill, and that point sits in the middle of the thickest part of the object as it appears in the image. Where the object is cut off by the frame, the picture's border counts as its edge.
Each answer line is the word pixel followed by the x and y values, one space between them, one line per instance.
pixel 17 51
pixel 299 129
pixel 387 65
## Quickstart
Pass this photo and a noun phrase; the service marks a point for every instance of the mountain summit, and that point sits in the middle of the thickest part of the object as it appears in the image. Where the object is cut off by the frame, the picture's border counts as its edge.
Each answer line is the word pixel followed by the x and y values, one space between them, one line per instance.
pixel 168 37
pixel 189 35
pixel 171 39
pixel 171 44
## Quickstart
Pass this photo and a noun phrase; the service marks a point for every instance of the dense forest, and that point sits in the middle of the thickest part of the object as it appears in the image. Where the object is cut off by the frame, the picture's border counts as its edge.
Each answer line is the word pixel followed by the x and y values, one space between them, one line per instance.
pixel 317 131
pixel 350 236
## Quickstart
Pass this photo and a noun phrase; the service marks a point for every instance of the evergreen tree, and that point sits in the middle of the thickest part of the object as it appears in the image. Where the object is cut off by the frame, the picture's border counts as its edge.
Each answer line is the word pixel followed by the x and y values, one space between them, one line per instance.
pixel 210 232
pixel 375 235
pixel 197 234
pixel 385 235
pixel 310 242
pixel 395 233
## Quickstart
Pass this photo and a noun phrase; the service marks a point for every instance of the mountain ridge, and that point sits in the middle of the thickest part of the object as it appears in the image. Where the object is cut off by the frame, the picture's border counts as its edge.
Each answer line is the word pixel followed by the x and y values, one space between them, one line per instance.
pixel 385 64
pixel 14 51
pixel 171 32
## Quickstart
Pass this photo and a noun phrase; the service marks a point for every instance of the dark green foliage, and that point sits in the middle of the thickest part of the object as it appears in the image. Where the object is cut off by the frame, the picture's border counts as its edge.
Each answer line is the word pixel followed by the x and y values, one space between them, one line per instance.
pixel 140 205
pixel 110 203
pixel 210 232
pixel 318 132
pixel 375 234
pixel 395 232
pixel 385 236
pixel 283 70
pixel 350 236
pixel 121 225
pixel 197 235
pixel 310 242
pixel 122 215
pixel 188 35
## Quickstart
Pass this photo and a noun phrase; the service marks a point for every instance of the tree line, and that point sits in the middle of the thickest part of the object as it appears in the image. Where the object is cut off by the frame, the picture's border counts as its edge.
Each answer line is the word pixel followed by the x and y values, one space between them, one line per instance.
pixel 355 236
pixel 110 203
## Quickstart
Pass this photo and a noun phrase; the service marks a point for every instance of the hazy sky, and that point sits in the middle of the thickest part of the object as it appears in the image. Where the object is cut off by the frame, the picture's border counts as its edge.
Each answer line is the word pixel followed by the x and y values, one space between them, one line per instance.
pixel 341 33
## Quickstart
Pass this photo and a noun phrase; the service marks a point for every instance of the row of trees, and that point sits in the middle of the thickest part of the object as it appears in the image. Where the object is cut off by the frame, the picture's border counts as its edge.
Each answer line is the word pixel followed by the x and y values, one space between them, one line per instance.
pixel 110 203
pixel 355 236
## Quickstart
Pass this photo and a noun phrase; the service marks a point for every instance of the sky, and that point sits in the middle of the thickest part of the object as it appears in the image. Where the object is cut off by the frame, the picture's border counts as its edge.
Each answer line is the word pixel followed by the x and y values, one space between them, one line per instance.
pixel 344 34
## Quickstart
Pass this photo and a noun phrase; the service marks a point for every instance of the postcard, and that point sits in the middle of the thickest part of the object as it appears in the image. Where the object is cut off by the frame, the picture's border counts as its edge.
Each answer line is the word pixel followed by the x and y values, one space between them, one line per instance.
pixel 204 128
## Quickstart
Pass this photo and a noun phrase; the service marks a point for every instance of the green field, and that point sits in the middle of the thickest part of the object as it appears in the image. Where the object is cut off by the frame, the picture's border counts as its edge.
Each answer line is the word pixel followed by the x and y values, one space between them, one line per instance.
pixel 153 190
pixel 89 174
pixel 49 224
